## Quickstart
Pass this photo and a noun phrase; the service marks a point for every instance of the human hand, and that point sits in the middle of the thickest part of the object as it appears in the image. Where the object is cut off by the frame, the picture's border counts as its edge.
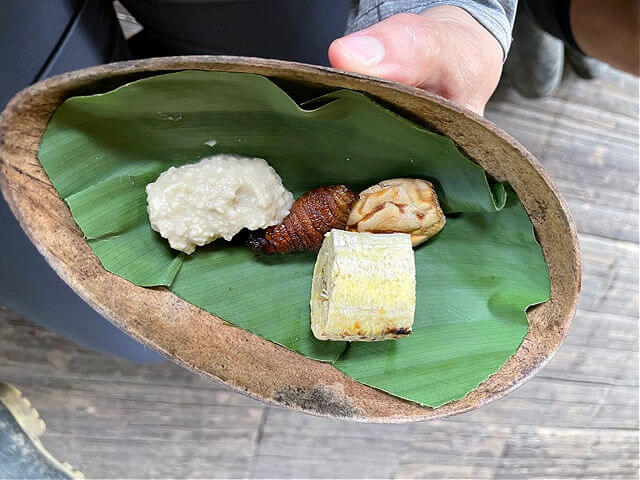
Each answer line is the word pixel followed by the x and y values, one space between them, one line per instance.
pixel 443 50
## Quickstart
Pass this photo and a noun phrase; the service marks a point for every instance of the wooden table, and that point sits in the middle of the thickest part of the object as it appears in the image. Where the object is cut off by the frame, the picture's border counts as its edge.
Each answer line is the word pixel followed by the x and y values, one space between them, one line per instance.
pixel 577 418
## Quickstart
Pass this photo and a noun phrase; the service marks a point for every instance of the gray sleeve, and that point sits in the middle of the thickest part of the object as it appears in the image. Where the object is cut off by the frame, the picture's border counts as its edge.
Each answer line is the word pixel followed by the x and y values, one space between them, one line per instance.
pixel 495 15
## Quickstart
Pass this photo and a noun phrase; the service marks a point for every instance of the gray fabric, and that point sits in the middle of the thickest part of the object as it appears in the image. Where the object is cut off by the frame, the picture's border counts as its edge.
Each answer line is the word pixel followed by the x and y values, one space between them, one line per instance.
pixel 535 64
pixel 298 30
pixel 585 67
pixel 553 17
pixel 497 16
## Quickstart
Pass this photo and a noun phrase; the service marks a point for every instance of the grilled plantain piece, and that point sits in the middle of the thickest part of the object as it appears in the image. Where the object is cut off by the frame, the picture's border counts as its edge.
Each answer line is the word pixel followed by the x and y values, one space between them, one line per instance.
pixel 364 287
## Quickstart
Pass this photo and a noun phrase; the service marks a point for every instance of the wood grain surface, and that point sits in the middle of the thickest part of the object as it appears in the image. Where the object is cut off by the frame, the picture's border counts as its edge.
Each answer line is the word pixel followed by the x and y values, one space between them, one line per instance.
pixel 578 418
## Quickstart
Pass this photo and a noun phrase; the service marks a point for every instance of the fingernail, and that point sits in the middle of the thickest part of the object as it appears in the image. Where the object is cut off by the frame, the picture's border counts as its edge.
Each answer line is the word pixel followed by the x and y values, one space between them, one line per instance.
pixel 363 48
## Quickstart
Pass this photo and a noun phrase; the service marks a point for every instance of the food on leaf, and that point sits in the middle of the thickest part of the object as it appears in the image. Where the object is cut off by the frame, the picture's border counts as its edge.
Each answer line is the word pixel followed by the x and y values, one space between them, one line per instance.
pixel 406 205
pixel 364 287
pixel 474 282
pixel 215 198
pixel 312 215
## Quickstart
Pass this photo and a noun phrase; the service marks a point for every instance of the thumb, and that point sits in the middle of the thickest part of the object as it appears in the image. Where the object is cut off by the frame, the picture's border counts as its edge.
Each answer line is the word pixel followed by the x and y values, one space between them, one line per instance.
pixel 401 48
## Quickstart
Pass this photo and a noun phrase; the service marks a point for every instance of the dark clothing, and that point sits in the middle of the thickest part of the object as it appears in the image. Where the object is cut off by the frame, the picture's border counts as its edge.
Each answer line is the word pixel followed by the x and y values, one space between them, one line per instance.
pixel 55 36
pixel 553 16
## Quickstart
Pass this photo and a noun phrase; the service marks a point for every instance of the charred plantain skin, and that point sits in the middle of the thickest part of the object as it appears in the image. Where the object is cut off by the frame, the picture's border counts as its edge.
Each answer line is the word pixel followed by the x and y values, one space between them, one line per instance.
pixel 312 215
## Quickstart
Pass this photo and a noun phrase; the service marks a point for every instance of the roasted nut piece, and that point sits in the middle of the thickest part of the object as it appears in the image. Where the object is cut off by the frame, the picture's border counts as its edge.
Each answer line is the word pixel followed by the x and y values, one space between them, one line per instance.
pixel 403 205
pixel 311 216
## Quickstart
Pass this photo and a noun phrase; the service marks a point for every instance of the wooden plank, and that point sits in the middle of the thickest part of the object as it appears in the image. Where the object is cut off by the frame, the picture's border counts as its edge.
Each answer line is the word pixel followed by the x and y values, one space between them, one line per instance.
pixel 516 451
pixel 596 215
pixel 103 414
pixel 589 146
pixel 593 329
pixel 294 445
pixel 610 276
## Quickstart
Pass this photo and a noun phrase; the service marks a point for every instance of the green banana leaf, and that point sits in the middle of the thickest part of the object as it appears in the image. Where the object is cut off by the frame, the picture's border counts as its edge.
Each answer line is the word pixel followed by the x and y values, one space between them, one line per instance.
pixel 475 279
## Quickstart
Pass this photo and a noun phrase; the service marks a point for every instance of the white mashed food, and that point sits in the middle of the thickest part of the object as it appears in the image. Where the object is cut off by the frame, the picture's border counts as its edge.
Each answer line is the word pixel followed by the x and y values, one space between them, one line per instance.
pixel 215 198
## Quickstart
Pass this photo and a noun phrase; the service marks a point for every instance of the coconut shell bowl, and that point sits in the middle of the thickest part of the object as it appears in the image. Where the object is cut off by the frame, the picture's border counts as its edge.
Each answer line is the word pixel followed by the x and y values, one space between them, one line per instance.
pixel 242 361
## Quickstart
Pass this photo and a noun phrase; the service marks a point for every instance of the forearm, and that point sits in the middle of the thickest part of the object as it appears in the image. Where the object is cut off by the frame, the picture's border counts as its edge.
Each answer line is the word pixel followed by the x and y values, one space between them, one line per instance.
pixel 495 15
pixel 607 31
